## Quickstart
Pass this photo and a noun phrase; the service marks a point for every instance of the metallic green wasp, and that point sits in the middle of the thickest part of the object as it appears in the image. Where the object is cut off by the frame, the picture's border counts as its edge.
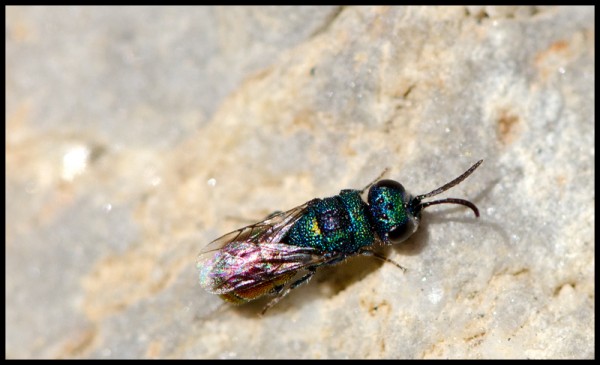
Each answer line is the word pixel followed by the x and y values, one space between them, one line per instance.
pixel 286 249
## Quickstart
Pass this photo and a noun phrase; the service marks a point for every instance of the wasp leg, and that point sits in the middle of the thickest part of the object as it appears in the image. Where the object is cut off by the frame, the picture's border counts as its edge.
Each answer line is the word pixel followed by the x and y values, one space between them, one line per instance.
pixel 251 220
pixel 372 253
pixel 377 179
pixel 277 212
pixel 282 293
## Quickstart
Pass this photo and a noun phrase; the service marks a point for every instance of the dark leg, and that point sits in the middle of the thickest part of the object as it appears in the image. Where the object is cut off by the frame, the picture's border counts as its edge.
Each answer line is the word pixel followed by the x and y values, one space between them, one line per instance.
pixel 282 293
pixel 374 181
pixel 251 220
pixel 277 212
pixel 367 252
pixel 277 289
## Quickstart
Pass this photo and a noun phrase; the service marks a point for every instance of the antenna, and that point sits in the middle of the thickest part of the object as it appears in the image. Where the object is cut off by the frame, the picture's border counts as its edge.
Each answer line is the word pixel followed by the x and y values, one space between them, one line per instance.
pixel 447 186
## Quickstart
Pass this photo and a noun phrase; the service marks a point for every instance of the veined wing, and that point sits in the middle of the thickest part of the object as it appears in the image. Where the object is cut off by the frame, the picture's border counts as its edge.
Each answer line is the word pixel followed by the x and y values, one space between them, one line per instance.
pixel 253 254
pixel 269 230
pixel 242 265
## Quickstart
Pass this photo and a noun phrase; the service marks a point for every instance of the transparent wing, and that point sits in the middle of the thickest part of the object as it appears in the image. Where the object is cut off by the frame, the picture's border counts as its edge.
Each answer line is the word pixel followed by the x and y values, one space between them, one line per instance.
pixel 269 230
pixel 243 265
pixel 254 254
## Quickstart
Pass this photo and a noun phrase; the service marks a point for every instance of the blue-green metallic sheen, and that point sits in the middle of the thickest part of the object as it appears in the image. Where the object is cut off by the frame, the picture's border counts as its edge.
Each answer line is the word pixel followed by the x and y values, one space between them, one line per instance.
pixel 335 224
pixel 395 214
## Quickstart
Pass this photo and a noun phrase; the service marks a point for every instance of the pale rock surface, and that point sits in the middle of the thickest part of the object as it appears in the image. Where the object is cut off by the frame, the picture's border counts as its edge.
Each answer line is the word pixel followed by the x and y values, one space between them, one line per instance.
pixel 135 136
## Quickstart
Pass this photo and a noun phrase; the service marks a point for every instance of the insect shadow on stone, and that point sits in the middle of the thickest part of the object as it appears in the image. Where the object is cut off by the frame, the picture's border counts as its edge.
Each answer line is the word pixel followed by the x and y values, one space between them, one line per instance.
pixel 267 257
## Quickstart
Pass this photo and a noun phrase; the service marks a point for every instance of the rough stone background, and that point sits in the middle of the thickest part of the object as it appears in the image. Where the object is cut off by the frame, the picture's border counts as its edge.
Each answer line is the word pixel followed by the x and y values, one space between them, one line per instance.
pixel 137 135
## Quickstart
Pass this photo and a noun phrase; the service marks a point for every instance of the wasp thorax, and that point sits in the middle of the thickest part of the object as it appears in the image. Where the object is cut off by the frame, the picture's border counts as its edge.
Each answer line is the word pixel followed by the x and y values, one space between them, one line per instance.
pixel 393 212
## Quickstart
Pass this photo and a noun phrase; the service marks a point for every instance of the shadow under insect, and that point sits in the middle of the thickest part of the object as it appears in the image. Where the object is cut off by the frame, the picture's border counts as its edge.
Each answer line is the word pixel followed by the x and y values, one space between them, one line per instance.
pixel 284 251
pixel 328 281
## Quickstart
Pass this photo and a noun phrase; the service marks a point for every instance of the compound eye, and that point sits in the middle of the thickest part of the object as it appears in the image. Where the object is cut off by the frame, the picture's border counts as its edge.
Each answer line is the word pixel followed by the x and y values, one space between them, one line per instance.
pixel 391 184
pixel 402 232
